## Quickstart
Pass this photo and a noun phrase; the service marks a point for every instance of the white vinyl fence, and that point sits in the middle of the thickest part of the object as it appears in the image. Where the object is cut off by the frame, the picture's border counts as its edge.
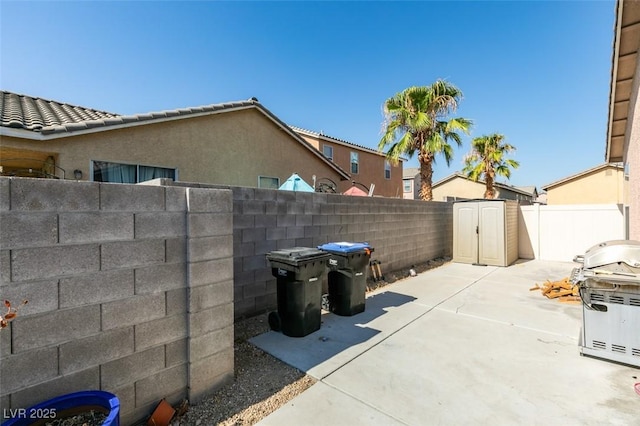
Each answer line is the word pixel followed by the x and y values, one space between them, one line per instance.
pixel 560 232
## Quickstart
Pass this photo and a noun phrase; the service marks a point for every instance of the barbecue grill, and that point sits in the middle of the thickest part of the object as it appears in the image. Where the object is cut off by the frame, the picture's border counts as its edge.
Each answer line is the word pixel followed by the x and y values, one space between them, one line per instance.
pixel 609 280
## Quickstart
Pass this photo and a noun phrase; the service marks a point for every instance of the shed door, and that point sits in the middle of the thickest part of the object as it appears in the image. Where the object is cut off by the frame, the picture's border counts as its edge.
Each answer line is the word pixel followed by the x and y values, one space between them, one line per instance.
pixel 465 236
pixel 491 249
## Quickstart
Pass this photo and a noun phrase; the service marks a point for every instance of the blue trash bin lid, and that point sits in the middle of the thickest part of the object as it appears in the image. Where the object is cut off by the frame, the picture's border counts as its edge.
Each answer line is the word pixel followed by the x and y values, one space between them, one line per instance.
pixel 344 247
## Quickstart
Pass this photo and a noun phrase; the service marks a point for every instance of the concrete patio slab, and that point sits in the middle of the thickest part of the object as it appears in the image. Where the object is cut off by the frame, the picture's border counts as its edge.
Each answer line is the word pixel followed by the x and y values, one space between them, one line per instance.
pixel 457 345
pixel 340 339
pixel 343 410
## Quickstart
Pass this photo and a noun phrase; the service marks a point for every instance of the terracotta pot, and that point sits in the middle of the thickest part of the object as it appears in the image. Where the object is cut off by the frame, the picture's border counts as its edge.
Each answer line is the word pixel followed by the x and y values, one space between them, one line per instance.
pixel 162 415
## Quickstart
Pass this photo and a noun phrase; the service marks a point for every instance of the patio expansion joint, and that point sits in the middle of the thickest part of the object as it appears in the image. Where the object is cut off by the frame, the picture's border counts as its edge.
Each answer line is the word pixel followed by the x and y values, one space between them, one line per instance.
pixel 537 330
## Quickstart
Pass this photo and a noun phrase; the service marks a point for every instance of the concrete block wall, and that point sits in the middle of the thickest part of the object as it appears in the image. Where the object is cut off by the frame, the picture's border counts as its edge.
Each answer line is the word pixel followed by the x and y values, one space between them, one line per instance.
pixel 402 232
pixel 130 290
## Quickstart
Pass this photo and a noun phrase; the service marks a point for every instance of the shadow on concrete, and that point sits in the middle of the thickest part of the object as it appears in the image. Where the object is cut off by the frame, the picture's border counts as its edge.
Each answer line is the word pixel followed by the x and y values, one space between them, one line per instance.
pixel 338 340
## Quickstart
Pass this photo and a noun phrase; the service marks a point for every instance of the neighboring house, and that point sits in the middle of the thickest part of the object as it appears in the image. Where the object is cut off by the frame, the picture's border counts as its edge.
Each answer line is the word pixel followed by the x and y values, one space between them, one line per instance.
pixel 623 131
pixel 366 166
pixel 459 187
pixel 604 184
pixel 411 183
pixel 530 190
pixel 542 198
pixel 237 143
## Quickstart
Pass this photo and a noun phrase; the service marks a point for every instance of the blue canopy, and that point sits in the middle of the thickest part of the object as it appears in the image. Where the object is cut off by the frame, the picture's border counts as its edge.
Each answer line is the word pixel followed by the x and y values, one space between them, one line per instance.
pixel 295 183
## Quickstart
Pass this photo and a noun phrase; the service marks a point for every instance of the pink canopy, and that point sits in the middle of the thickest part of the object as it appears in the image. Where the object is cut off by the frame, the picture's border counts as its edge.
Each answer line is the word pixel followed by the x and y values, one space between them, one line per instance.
pixel 355 191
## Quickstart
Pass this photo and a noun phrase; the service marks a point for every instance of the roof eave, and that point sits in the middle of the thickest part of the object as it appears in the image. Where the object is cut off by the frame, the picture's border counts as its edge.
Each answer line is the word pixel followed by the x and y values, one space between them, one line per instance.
pixel 296 136
pixel 612 83
pixel 160 117
pixel 481 182
pixel 581 174
pixel 328 138
pixel 127 122
pixel 21 133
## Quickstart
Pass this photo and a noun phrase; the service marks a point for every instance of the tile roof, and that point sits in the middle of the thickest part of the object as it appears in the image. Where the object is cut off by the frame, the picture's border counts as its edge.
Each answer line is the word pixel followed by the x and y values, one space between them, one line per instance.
pixel 37 114
pixel 49 117
pixel 46 118
pixel 410 172
pixel 334 139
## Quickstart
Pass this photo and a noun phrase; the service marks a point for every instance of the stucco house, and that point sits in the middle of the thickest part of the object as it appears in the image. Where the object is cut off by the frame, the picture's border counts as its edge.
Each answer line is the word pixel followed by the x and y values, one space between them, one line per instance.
pixel 365 166
pixel 411 183
pixel 623 130
pixel 236 143
pixel 459 187
pixel 603 184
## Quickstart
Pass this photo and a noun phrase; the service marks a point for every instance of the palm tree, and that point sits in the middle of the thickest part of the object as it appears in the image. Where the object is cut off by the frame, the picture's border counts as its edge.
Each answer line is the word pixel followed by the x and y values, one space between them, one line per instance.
pixel 415 121
pixel 487 159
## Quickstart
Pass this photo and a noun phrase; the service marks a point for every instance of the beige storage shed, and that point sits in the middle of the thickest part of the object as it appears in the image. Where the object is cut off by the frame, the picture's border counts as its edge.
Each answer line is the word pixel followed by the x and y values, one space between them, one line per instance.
pixel 485 232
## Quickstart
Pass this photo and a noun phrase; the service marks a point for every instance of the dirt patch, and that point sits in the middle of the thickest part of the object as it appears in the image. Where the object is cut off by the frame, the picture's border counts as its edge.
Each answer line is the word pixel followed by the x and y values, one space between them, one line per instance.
pixel 263 383
pixel 389 278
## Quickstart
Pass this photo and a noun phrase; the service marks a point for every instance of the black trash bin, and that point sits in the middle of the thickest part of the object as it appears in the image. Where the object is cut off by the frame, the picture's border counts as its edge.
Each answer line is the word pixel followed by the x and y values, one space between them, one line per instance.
pixel 347 276
pixel 299 273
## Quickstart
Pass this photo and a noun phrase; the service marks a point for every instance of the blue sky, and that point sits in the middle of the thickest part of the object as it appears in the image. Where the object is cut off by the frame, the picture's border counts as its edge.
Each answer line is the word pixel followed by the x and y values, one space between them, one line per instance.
pixel 538 72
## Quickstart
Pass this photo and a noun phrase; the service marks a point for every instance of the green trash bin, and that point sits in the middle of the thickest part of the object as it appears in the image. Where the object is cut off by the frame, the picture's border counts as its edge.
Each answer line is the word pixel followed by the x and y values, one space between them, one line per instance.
pixel 347 276
pixel 299 272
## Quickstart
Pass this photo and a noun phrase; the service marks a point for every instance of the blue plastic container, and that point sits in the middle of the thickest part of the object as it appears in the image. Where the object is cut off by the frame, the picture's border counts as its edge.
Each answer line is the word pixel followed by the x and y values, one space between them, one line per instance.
pixel 68 405
pixel 344 247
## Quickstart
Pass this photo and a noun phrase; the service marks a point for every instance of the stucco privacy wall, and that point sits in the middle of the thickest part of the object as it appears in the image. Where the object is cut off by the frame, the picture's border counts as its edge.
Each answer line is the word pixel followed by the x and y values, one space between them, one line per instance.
pixel 402 232
pixel 129 289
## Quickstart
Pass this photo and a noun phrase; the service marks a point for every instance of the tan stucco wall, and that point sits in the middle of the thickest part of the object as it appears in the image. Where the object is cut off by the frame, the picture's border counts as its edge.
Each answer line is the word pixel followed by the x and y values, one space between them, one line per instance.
pixel 460 188
pixel 466 189
pixel 632 157
pixel 605 186
pixel 370 168
pixel 231 148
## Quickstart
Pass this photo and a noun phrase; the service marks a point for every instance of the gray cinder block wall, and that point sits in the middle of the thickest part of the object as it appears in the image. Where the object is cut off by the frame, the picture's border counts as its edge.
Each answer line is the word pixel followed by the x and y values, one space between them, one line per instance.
pixel 130 290
pixel 402 232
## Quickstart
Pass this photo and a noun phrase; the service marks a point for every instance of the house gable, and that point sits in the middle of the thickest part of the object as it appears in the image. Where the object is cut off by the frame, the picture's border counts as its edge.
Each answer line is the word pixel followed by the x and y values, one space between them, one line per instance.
pixel 458 186
pixel 224 143
pixel 371 166
pixel 603 184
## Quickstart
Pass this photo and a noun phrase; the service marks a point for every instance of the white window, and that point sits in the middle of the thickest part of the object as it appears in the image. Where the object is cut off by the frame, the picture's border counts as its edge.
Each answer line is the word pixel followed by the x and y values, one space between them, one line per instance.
pixel 387 170
pixel 407 186
pixel 104 171
pixel 268 182
pixel 327 150
pixel 354 163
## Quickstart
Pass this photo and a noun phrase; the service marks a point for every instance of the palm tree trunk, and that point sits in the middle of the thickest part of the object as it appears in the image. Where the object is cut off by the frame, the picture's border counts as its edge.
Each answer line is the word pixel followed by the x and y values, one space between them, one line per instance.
pixel 489 193
pixel 426 176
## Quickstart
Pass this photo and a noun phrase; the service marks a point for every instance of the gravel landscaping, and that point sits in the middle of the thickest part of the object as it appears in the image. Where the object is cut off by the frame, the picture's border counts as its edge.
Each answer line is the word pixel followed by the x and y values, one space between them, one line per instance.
pixel 262 384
